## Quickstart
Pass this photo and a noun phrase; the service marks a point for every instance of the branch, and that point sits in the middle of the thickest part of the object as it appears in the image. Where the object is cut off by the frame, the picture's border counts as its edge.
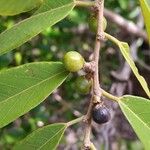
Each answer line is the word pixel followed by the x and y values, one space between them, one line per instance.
pixel 99 4
pixel 87 119
pixel 126 25
pixel 99 37
pixel 87 141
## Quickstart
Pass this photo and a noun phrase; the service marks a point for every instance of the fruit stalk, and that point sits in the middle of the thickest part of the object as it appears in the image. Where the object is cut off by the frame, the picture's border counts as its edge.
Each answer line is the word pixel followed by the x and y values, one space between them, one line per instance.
pixel 84 4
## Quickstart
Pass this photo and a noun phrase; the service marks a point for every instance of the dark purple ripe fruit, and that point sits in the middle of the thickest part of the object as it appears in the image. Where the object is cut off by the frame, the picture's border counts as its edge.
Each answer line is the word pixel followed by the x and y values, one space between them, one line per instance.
pixel 101 114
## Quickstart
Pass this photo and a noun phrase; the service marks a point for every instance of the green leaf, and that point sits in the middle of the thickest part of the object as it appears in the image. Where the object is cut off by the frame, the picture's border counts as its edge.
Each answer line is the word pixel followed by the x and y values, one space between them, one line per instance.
pixel 146 13
pixel 125 50
pixel 24 87
pixel 51 4
pixel 13 7
pixel 137 111
pixel 28 28
pixel 46 138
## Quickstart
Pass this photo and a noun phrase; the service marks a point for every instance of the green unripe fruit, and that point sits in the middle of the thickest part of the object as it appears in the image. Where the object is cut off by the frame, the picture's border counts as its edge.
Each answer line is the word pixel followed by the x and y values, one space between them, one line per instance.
pixel 73 61
pixel 93 24
pixel 83 85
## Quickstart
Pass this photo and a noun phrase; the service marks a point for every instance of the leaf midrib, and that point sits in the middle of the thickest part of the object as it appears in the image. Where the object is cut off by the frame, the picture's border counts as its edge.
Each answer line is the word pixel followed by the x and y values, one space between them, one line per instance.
pixel 4 101
pixel 63 128
pixel 126 106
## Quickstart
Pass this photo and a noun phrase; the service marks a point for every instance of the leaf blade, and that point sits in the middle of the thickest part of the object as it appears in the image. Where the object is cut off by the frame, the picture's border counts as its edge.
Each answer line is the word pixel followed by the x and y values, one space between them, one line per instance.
pixel 45 138
pixel 21 88
pixel 48 5
pixel 146 14
pixel 125 50
pixel 132 107
pixel 14 7
pixel 28 28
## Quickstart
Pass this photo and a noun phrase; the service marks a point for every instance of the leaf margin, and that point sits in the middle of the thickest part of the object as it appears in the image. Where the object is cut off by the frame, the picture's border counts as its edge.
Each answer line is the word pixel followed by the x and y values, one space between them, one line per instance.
pixel 38 130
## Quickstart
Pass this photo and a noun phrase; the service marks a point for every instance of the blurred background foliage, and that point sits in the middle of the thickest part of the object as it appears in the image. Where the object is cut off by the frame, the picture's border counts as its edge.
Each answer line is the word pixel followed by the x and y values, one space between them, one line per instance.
pixel 66 103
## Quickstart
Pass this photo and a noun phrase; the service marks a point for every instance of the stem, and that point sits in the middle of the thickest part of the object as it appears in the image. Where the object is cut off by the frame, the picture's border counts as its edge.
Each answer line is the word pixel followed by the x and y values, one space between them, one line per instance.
pixel 100 33
pixel 84 4
pixel 96 86
pixel 87 141
pixel 111 38
pixel 110 96
pixel 88 114
pixel 70 123
pixel 87 119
